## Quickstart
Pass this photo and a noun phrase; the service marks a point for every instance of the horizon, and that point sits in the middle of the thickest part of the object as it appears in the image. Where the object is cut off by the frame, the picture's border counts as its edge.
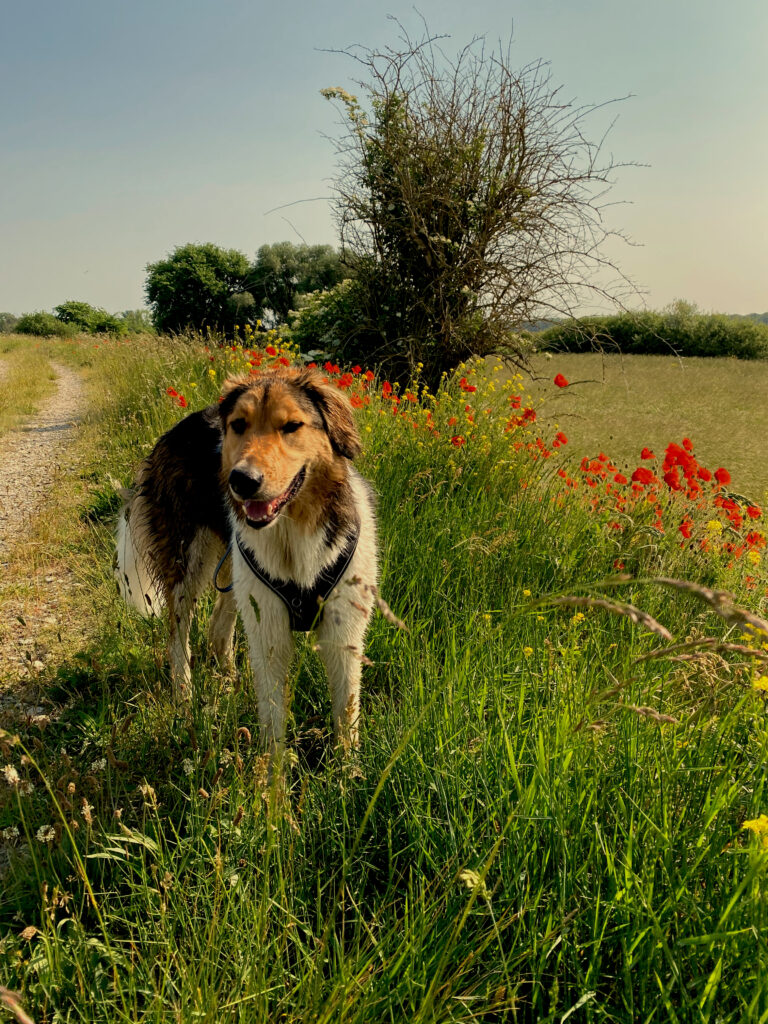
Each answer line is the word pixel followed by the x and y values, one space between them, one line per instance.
pixel 134 131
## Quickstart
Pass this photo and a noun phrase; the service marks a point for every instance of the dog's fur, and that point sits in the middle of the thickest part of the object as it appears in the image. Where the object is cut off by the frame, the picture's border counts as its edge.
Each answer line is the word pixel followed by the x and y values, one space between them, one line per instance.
pixel 270 465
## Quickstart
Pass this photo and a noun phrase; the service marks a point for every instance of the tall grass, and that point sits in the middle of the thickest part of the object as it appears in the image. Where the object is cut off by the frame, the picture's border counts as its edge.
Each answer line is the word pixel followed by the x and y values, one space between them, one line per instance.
pixel 26 378
pixel 520 839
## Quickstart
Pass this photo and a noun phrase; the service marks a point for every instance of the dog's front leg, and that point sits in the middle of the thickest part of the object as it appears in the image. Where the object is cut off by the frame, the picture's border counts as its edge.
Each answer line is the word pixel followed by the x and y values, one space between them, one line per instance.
pixel 340 646
pixel 270 644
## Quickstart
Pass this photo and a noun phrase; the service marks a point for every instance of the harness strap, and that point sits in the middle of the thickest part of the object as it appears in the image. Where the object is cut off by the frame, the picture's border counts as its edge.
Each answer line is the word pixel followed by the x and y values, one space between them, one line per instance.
pixel 222 560
pixel 304 604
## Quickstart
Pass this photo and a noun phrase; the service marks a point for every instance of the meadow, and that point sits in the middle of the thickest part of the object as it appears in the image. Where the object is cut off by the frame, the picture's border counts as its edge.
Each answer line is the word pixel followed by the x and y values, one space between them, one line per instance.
pixel 627 401
pixel 559 807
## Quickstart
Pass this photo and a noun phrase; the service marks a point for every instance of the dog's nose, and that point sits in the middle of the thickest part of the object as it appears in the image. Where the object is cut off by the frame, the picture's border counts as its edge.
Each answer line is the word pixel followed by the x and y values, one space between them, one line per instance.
pixel 243 484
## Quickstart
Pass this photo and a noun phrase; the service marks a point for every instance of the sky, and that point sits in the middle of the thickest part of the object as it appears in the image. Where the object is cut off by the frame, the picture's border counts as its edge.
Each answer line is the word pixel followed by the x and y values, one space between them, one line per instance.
pixel 130 128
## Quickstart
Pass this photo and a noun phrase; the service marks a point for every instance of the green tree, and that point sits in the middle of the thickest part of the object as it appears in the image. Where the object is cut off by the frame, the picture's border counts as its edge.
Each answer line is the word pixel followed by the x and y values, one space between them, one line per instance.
pixel 8 323
pixel 468 200
pixel 193 286
pixel 138 321
pixel 283 271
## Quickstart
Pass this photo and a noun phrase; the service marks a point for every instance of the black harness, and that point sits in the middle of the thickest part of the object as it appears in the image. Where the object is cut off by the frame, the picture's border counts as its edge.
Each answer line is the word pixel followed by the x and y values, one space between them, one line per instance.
pixel 304 604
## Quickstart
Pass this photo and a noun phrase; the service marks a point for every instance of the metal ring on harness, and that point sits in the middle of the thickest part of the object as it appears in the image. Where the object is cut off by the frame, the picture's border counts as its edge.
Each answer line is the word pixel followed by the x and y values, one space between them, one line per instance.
pixel 222 560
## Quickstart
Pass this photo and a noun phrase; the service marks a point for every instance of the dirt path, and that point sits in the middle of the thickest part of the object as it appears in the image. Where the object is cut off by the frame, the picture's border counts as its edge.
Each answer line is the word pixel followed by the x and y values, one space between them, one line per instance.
pixel 31 458
pixel 31 454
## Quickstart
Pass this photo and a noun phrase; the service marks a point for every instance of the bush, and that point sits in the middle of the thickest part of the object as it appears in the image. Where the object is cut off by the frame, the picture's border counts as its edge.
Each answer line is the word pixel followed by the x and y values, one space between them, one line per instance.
pixel 44 325
pixel 333 322
pixel 89 319
pixel 8 323
pixel 678 330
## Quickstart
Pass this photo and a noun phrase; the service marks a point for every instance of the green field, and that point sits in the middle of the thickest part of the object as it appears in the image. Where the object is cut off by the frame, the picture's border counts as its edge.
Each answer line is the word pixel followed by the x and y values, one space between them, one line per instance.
pixel 546 821
pixel 627 402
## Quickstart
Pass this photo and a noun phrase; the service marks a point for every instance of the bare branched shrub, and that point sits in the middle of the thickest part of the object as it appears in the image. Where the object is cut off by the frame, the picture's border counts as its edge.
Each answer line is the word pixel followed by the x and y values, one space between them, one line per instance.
pixel 469 201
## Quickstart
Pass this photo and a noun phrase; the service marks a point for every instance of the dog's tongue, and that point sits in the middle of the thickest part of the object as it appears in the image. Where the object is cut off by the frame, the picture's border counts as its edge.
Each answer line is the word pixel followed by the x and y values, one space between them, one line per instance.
pixel 256 510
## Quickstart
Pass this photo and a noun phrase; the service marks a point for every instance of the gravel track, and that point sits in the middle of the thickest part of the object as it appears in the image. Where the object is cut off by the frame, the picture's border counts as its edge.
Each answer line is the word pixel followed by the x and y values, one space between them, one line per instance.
pixel 32 458
pixel 31 455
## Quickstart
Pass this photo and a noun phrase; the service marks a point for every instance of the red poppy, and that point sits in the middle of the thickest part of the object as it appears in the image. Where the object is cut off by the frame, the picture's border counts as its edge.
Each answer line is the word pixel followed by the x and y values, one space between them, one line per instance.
pixel 182 401
pixel 311 366
pixel 386 389
pixel 688 444
pixel 642 476
pixel 685 528
pixel 560 381
pixel 646 453
pixel 369 375
pixel 620 478
pixel 271 350
pixel 356 369
pixel 754 512
pixel 172 392
pixel 722 476
pixel 618 564
pixel 704 474
pixel 466 386
pixel 561 438
pixel 458 441
pixel 357 401
pixel 283 361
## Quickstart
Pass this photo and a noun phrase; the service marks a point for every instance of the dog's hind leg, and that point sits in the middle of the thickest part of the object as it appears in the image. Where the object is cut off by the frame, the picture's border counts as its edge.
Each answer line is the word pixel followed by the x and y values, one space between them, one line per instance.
pixel 181 598
pixel 222 629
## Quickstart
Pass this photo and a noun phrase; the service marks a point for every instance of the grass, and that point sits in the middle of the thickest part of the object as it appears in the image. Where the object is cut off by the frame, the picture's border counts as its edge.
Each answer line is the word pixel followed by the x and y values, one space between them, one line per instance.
pixel 521 838
pixel 26 379
pixel 625 402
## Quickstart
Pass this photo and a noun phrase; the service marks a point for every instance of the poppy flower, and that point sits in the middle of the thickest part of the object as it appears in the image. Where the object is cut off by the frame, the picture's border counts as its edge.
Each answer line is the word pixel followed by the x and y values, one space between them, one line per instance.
pixel 271 350
pixel 642 476
pixel 685 528
pixel 458 441
pixel 722 476
pixel 672 479
pixel 561 438
pixel 754 512
pixel 560 381
pixel 704 474
pixel 646 453
pixel 688 444
pixel 356 369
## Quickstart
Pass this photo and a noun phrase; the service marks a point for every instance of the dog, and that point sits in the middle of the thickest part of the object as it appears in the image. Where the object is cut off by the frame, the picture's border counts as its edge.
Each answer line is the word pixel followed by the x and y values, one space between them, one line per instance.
pixel 266 474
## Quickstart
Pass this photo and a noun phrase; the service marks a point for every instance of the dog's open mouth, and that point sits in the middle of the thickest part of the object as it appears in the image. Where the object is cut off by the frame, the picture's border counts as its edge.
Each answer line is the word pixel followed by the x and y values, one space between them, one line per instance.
pixel 262 513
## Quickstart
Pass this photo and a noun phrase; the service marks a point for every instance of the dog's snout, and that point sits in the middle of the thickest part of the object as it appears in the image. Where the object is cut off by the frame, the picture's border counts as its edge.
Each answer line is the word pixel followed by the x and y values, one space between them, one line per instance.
pixel 245 485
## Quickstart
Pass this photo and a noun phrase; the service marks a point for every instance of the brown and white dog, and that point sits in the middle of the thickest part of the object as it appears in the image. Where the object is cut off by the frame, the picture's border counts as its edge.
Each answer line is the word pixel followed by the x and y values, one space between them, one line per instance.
pixel 268 471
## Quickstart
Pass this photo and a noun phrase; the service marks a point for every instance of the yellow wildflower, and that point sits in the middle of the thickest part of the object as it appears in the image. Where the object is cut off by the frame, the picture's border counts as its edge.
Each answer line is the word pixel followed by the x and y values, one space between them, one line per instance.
pixel 526 593
pixel 527 651
pixel 760 683
pixel 753 557
pixel 715 526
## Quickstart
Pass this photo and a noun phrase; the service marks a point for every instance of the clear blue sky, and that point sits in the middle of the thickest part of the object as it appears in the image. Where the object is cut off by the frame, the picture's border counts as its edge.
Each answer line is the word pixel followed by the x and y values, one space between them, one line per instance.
pixel 131 127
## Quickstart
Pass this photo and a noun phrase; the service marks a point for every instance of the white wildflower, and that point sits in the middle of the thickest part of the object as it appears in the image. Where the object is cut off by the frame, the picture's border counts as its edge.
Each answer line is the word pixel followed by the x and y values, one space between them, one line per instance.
pixel 10 833
pixel 25 788
pixel 12 777
pixel 46 833
pixel 99 764
pixel 187 766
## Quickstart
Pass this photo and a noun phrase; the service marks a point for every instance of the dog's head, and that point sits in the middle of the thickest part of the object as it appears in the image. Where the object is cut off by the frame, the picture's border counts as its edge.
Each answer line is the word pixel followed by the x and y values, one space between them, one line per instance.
pixel 286 437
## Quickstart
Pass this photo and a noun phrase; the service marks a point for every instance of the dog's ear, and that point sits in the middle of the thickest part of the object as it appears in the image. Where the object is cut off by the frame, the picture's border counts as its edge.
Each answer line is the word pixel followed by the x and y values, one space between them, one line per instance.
pixel 231 390
pixel 336 413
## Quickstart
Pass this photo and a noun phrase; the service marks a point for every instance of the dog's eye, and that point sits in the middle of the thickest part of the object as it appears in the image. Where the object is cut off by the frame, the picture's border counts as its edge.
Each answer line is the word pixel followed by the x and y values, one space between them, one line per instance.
pixel 291 427
pixel 238 425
